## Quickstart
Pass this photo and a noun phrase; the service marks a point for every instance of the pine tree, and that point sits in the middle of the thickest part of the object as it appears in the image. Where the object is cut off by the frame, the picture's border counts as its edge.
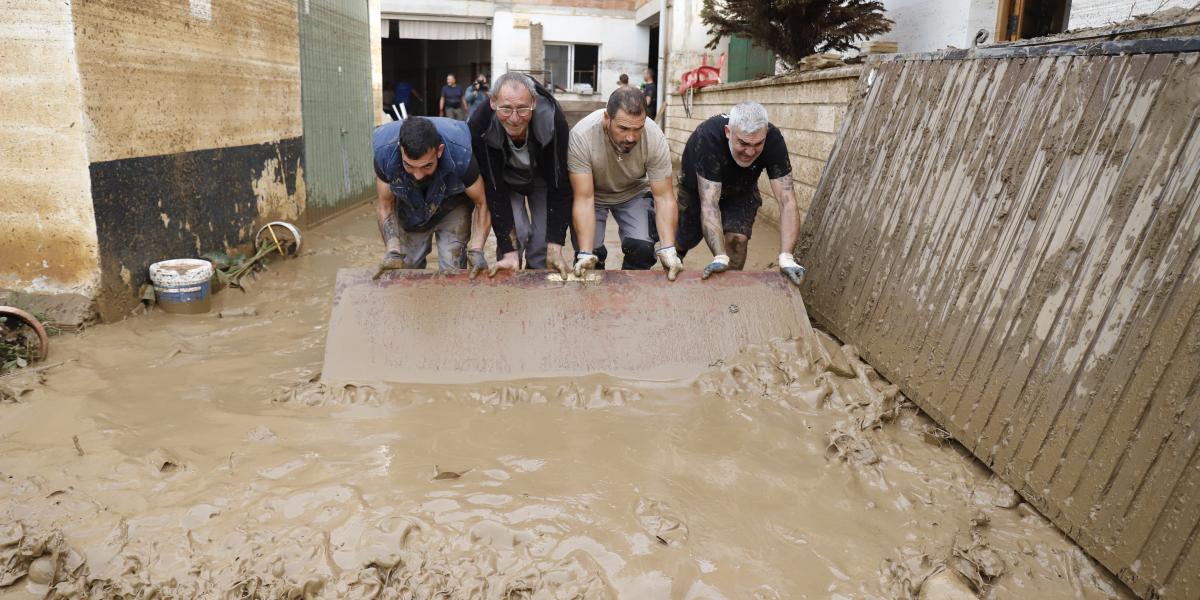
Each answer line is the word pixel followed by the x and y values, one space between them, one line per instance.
pixel 793 29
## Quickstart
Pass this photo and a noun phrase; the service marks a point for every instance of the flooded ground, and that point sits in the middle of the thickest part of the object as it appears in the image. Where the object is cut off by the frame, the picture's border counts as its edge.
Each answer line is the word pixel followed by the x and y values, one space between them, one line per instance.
pixel 197 456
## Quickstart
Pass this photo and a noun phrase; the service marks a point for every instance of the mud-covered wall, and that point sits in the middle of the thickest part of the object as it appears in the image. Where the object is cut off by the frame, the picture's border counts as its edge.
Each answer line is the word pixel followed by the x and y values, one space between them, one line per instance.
pixel 48 250
pixel 1013 236
pixel 193 128
pixel 807 107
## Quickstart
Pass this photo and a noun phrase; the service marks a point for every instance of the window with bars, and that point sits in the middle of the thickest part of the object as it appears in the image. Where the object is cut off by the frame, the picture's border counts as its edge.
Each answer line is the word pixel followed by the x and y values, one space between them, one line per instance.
pixel 570 64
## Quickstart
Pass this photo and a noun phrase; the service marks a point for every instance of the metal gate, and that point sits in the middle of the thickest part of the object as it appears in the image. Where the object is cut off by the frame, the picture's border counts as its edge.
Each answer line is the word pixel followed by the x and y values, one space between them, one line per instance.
pixel 337 104
pixel 1012 235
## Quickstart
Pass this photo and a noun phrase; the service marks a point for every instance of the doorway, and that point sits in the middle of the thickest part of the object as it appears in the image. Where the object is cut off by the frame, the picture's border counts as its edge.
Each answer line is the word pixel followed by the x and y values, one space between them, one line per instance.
pixel 423 64
pixel 1024 19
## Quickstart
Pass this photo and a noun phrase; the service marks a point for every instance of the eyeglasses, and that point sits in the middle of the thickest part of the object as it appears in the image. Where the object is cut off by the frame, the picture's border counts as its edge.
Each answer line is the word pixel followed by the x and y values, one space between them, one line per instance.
pixel 507 111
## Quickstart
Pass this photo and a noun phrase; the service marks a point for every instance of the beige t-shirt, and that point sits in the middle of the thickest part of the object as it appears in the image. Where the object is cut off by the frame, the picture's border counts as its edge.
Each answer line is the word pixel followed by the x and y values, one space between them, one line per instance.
pixel 616 181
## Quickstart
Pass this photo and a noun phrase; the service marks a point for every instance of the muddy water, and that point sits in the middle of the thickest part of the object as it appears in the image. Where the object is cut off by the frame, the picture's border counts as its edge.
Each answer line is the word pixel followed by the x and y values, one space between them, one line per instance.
pixel 196 456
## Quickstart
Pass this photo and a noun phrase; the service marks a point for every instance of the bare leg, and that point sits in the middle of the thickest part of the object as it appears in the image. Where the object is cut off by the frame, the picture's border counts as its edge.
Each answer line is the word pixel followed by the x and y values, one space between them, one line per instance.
pixel 735 245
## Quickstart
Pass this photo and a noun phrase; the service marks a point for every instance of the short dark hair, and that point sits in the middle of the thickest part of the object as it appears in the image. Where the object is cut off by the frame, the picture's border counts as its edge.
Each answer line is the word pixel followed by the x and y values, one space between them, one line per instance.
pixel 628 99
pixel 418 136
pixel 623 78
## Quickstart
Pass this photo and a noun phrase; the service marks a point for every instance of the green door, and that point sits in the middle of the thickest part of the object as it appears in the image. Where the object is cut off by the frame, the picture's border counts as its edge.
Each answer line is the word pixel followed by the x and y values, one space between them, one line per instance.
pixel 337 105
pixel 748 61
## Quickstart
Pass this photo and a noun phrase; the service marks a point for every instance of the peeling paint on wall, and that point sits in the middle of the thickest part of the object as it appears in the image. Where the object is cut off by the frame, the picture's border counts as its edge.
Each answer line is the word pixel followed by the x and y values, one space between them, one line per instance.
pixel 48 250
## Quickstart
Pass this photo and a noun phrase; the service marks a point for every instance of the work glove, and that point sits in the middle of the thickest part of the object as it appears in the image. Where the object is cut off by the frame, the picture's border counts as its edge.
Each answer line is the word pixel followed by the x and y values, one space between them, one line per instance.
pixel 719 264
pixel 555 261
pixel 788 266
pixel 476 263
pixel 670 261
pixel 585 261
pixel 393 260
pixel 510 262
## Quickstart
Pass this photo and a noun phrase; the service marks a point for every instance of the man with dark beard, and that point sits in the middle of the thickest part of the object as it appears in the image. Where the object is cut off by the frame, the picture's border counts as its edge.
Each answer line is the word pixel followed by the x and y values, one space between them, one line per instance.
pixel 619 163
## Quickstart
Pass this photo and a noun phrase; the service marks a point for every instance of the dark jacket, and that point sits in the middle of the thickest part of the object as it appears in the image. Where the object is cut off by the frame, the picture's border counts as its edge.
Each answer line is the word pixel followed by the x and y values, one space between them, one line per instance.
pixel 549 137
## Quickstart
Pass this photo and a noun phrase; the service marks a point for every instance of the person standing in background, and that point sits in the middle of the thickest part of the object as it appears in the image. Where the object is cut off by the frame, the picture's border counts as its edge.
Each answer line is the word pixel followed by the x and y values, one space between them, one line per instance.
pixel 478 92
pixel 404 94
pixel 451 103
pixel 650 91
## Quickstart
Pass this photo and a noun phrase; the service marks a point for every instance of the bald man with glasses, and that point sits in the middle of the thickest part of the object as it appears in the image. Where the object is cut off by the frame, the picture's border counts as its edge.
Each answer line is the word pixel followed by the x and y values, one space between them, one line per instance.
pixel 520 140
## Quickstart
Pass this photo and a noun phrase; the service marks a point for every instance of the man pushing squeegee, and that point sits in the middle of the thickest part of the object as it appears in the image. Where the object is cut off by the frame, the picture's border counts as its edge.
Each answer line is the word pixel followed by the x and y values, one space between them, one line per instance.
pixel 718 199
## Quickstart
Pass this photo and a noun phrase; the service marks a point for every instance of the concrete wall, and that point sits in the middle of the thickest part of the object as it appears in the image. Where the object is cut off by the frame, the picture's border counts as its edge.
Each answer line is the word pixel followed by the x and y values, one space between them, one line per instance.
pixel 1097 13
pixel 377 62
pixel 686 38
pixel 925 25
pixel 807 107
pixel 49 257
pixel 1013 237
pixel 193 128
pixel 623 44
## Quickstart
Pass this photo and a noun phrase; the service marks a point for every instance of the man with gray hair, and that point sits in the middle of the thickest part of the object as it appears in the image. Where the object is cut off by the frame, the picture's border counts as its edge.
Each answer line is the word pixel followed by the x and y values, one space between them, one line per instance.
pixel 618 161
pixel 519 138
pixel 718 189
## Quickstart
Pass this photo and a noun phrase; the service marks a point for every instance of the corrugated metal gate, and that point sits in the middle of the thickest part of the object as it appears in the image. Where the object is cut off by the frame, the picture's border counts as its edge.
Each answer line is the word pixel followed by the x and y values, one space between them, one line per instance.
pixel 336 99
pixel 1013 236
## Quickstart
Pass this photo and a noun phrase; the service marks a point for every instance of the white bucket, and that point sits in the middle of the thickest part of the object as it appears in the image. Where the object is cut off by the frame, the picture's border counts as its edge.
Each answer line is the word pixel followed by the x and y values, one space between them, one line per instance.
pixel 183 285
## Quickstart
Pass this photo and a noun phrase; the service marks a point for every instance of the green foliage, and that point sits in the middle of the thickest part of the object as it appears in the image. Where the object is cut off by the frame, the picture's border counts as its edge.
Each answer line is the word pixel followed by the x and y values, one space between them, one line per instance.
pixel 793 29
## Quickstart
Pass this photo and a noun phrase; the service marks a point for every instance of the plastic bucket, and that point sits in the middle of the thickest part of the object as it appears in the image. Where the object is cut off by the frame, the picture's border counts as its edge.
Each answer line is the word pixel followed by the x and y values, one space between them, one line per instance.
pixel 183 285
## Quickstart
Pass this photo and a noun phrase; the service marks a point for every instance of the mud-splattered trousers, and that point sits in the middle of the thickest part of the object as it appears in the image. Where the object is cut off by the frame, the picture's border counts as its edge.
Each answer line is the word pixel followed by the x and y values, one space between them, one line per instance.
pixel 452 231
pixel 636 227
pixel 737 216
pixel 529 223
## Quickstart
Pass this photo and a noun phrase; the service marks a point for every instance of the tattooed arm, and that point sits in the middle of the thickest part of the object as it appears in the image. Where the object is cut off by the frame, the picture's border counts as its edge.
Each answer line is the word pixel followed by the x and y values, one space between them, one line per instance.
pixel 789 228
pixel 789 214
pixel 710 215
pixel 389 223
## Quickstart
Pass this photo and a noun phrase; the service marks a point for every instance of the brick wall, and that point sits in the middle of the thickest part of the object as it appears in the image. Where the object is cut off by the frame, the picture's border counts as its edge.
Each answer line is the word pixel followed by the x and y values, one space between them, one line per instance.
pixel 807 107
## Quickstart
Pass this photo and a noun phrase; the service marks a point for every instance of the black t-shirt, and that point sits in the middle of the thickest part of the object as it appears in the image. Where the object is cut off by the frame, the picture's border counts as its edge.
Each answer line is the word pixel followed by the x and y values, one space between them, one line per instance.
pixel 707 155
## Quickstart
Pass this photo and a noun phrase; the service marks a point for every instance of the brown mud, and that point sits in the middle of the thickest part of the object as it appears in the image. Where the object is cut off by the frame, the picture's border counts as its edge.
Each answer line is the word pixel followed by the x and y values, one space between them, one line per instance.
pixel 200 456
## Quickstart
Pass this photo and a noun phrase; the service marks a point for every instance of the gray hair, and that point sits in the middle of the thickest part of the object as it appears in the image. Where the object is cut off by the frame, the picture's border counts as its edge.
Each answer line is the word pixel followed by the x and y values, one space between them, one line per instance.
pixel 513 78
pixel 748 116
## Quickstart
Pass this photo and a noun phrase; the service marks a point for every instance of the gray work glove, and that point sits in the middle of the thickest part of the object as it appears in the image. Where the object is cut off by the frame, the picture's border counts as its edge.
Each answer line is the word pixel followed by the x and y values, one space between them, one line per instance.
pixel 585 261
pixel 670 261
pixel 788 266
pixel 476 263
pixel 719 264
pixel 391 261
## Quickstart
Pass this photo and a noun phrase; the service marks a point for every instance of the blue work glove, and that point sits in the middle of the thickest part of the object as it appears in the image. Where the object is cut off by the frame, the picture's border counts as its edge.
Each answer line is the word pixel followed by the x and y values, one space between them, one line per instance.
pixel 720 264
pixel 788 266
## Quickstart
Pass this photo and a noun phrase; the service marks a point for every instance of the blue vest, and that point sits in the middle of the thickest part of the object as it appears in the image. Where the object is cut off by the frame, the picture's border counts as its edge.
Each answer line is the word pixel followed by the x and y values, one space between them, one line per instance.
pixel 420 206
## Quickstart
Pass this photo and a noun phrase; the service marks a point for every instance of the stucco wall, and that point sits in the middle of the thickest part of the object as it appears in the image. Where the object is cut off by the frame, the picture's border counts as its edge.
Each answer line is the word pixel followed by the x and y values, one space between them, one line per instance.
pixel 807 107
pixel 687 36
pixel 623 44
pixel 48 250
pixel 193 128
pixel 925 25
pixel 1097 13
